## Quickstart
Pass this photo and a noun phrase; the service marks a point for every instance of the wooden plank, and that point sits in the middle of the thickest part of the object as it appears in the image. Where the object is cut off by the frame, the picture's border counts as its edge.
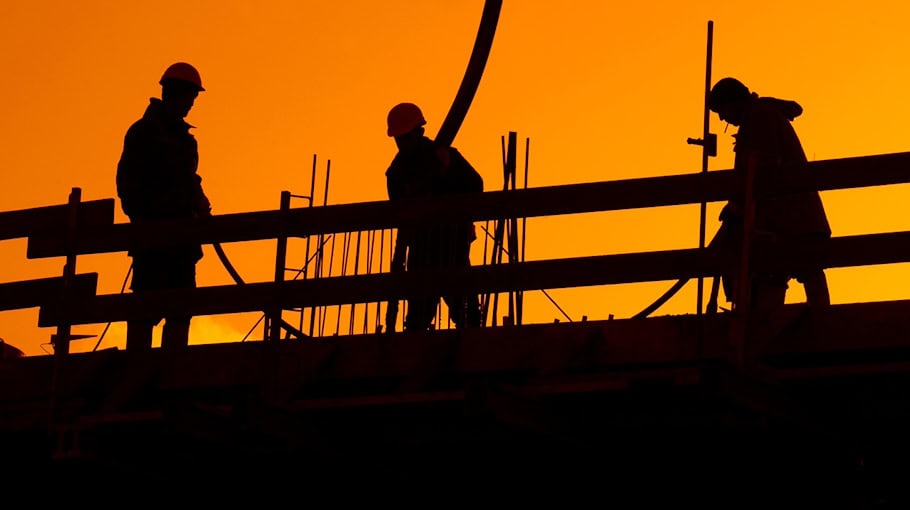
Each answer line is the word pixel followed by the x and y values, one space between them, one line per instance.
pixel 532 202
pixel 32 293
pixel 870 249
pixel 582 271
pixel 548 352
pixel 42 220
pixel 544 350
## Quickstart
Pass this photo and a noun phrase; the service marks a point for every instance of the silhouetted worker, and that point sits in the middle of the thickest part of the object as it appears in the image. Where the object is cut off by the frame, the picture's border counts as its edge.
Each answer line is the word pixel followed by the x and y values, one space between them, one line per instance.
pixel 423 168
pixel 157 180
pixel 784 216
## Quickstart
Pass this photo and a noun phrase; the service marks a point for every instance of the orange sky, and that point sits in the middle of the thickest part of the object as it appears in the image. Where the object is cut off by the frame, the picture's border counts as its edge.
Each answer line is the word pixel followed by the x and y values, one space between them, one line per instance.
pixel 603 92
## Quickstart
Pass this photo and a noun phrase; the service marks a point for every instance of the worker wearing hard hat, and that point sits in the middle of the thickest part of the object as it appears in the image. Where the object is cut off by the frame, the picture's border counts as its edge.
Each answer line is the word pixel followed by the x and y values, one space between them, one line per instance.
pixel 423 168
pixel 157 179
pixel 768 148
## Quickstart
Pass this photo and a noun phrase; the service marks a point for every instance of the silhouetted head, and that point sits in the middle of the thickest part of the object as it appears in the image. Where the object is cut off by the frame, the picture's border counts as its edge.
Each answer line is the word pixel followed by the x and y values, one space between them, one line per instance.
pixel 728 98
pixel 405 123
pixel 180 85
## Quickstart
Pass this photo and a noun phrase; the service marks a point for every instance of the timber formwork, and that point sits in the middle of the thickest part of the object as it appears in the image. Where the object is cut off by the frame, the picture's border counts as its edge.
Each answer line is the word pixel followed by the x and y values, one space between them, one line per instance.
pixel 819 410
pixel 594 404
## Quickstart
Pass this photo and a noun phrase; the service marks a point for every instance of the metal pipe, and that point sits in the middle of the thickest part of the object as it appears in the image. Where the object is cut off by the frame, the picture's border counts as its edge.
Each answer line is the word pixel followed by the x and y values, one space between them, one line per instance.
pixel 381 254
pixel 319 260
pixel 371 241
pixel 513 221
pixel 356 272
pixel 346 246
pixel 524 229
pixel 708 148
pixel 281 248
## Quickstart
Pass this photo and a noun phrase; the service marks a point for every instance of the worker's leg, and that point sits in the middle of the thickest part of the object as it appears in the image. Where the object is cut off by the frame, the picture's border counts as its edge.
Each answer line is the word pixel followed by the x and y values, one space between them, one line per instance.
pixel 422 255
pixel 146 276
pixel 768 296
pixel 816 285
pixel 139 335
pixel 175 334
pixel 464 311
pixel 420 314
pixel 181 275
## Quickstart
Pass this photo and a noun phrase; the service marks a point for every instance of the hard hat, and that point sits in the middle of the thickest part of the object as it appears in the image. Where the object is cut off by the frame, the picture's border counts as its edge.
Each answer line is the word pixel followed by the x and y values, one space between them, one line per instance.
pixel 727 90
pixel 182 71
pixel 404 117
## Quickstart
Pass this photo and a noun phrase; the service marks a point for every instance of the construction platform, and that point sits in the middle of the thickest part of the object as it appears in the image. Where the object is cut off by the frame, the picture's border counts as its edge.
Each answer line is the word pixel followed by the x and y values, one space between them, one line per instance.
pixel 682 409
pixel 596 404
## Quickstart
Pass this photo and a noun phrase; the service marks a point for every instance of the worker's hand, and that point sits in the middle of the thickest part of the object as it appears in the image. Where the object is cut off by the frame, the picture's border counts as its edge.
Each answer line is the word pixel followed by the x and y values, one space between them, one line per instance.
pixel 203 205
pixel 731 212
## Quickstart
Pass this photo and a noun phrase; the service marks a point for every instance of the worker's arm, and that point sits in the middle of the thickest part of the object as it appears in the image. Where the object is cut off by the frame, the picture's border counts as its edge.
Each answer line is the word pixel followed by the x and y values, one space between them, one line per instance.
pixel 134 171
pixel 201 204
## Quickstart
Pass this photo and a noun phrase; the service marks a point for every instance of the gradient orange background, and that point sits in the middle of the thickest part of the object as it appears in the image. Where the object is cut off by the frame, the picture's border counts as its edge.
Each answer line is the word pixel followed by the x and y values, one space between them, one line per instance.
pixel 602 91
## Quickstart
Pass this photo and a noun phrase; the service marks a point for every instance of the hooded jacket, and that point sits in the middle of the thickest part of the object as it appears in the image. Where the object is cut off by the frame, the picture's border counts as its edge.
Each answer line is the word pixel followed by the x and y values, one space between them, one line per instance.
pixel 766 134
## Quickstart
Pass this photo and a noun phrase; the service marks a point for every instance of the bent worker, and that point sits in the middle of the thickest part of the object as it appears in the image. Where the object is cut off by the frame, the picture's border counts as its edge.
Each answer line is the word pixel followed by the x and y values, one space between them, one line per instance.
pixel 422 168
pixel 157 179
pixel 787 219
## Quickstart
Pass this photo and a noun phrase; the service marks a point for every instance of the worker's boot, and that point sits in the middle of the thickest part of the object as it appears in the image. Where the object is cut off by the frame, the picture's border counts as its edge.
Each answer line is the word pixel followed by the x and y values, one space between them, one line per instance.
pixel 175 335
pixel 139 335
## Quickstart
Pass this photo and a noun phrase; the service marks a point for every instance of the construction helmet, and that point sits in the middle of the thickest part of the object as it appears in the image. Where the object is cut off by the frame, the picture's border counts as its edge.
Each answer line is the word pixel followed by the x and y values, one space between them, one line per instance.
pixel 404 117
pixel 184 72
pixel 727 90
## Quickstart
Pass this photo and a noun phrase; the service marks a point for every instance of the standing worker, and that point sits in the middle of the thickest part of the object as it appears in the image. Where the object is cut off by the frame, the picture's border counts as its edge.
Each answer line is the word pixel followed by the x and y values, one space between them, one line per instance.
pixel 768 149
pixel 422 168
pixel 157 180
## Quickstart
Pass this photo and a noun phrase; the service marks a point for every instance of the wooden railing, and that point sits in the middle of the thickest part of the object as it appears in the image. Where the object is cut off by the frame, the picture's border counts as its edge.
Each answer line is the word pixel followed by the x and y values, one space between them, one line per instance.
pixel 50 222
pixel 90 237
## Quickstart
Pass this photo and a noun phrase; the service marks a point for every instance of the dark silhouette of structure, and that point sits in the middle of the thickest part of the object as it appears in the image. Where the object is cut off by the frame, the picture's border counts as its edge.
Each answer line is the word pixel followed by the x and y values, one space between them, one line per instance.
pixel 575 406
pixel 157 179
pixel 648 410
pixel 8 351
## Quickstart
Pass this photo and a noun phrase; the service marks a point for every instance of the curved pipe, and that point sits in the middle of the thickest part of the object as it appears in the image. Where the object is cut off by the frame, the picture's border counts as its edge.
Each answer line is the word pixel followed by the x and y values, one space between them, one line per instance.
pixel 648 310
pixel 471 80
pixel 711 307
pixel 227 263
pixel 489 19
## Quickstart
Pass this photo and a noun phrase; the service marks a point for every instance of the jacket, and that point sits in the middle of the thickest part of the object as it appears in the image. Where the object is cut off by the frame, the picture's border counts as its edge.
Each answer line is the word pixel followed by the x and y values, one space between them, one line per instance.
pixel 432 170
pixel 767 134
pixel 157 173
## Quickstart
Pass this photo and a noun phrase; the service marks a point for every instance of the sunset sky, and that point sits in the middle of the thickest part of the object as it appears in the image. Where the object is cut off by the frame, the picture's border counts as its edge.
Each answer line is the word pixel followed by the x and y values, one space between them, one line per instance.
pixel 602 92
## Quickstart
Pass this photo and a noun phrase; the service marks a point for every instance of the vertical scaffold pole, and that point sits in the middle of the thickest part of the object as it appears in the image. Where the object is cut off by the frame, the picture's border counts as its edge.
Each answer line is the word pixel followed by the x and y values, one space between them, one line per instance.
pixel 708 149
pixel 64 330
pixel 273 323
pixel 513 222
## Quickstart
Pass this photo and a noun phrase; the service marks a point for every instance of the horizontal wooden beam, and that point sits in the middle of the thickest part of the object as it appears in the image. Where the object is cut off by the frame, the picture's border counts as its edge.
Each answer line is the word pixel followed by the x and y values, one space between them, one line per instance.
pixel 32 293
pixel 53 219
pixel 583 271
pixel 611 349
pixel 870 249
pixel 524 203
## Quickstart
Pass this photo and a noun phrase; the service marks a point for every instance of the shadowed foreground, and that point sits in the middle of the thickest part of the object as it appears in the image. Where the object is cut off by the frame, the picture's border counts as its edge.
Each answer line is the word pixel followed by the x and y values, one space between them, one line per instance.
pixel 638 410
